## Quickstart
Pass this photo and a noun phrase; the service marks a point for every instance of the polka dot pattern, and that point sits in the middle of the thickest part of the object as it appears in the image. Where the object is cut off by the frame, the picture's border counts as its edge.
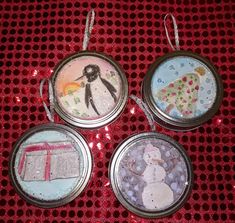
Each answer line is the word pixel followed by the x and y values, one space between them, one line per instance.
pixel 35 36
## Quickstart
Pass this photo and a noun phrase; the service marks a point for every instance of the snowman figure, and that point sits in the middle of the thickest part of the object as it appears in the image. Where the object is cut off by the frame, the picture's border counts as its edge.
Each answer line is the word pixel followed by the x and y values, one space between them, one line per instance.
pixel 156 194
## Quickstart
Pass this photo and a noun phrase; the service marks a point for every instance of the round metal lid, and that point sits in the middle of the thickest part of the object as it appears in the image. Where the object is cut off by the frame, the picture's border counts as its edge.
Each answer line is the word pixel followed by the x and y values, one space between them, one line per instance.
pixel 50 165
pixel 183 90
pixel 90 89
pixel 151 175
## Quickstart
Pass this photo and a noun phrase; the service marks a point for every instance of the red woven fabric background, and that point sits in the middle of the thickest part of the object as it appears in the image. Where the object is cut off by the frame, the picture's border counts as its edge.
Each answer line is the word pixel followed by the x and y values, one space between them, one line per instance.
pixel 36 35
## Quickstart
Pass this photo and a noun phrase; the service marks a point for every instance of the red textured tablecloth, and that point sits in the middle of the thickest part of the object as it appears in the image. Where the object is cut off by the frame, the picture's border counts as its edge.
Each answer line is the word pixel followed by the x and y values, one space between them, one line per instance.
pixel 36 35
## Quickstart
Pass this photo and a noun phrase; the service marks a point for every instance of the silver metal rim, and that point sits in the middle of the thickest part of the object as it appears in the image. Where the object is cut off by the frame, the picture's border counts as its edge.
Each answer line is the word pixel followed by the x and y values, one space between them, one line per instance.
pixel 111 116
pixel 174 123
pixel 85 175
pixel 113 168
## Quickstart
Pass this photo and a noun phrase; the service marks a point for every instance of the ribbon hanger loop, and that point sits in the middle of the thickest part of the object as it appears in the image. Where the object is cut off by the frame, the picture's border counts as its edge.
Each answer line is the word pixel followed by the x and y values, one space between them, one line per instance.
pixel 89 26
pixel 49 111
pixel 176 33
pixel 146 111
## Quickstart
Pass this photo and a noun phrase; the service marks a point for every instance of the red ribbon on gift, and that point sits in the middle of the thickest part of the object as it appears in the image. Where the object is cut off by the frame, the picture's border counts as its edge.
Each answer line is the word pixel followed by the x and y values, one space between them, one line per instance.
pixel 45 146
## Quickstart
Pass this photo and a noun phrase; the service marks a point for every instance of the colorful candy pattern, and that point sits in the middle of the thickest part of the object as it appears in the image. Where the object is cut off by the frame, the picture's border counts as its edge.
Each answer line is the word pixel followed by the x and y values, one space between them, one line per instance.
pixel 183 87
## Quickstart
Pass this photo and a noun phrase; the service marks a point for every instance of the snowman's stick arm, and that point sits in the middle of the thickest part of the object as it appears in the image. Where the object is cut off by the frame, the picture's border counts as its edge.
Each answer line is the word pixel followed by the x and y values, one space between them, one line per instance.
pixel 131 170
pixel 130 167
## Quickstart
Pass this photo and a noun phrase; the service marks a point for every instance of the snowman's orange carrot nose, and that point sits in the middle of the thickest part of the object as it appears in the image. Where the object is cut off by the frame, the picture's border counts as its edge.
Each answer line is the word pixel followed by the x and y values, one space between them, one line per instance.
pixel 200 70
pixel 158 161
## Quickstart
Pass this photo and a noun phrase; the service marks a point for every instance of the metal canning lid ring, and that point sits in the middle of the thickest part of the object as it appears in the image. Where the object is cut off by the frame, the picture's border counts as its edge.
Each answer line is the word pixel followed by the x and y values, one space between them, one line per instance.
pixel 151 175
pixel 50 165
pixel 183 90
pixel 90 89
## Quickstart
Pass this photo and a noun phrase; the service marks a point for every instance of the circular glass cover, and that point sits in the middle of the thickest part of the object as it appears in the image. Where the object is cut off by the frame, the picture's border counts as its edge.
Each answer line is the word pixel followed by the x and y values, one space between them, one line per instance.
pixel 152 176
pixel 183 87
pixel 49 165
pixel 88 87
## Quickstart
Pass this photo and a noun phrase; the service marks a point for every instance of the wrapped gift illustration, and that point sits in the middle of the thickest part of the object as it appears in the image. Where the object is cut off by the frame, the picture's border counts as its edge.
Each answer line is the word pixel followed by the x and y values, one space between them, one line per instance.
pixel 49 161
pixel 182 93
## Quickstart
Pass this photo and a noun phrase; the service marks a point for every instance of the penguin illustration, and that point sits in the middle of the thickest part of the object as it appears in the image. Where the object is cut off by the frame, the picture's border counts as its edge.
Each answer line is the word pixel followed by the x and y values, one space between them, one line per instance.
pixel 94 85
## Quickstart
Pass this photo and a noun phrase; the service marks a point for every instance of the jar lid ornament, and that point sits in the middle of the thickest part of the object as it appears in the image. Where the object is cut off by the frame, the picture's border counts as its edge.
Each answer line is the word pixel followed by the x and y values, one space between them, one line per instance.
pixel 182 89
pixel 90 88
pixel 150 173
pixel 50 164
